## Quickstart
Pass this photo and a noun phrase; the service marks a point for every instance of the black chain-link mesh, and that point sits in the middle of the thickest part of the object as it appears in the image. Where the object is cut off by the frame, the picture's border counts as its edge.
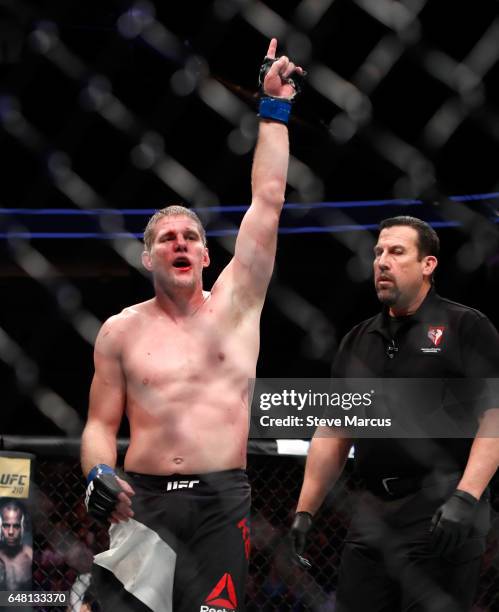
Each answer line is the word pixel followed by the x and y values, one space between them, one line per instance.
pixel 65 538
pixel 109 109
pixel 140 103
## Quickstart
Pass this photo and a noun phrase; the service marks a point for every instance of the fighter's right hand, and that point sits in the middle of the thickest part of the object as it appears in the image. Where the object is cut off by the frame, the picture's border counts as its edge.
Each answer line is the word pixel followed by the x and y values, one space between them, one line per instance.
pixel 299 531
pixel 279 77
pixel 107 496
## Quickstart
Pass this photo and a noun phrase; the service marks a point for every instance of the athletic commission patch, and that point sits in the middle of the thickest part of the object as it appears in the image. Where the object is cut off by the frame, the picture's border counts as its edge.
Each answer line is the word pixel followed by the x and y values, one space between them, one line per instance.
pixel 435 334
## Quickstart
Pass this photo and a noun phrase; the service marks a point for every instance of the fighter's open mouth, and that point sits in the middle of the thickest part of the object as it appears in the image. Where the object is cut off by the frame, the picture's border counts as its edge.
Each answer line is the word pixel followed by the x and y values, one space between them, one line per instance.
pixel 182 262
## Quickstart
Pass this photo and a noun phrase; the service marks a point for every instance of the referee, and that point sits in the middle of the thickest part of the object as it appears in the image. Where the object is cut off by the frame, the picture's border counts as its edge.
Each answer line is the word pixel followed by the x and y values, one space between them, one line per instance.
pixel 418 531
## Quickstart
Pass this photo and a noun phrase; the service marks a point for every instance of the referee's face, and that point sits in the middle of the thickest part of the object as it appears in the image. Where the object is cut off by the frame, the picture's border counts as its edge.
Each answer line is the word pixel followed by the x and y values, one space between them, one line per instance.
pixel 401 276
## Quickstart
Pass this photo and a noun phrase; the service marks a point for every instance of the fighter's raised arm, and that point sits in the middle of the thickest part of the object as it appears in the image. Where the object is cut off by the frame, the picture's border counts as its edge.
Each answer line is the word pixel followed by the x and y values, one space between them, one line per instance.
pixel 177 366
pixel 251 269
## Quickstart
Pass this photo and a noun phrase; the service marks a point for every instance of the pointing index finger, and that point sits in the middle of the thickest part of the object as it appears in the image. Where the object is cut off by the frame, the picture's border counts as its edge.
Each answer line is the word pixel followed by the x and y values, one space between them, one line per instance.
pixel 272 48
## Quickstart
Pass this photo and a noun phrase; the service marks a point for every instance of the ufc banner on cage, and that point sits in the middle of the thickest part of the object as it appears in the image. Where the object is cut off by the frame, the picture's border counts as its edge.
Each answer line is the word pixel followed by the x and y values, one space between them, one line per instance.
pixel 16 535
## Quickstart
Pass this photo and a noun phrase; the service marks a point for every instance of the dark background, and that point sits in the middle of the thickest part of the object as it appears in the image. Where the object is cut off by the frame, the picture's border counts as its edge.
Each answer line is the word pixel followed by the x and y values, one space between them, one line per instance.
pixel 136 106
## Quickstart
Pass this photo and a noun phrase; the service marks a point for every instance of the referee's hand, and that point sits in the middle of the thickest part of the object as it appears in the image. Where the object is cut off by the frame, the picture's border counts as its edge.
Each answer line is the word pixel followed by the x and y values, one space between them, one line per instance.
pixel 299 531
pixel 452 522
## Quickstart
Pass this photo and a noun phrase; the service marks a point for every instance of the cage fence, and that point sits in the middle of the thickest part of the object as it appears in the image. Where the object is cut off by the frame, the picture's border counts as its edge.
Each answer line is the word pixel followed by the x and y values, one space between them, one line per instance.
pixel 99 110
pixel 65 538
pixel 391 106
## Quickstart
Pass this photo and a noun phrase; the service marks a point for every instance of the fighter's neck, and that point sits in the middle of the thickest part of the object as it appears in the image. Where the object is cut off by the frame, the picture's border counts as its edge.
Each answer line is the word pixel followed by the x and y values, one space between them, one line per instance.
pixel 181 304
pixel 12 551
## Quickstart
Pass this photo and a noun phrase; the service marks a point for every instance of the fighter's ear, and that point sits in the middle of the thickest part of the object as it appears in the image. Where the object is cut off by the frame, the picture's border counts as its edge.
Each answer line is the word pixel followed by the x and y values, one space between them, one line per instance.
pixel 206 258
pixel 147 260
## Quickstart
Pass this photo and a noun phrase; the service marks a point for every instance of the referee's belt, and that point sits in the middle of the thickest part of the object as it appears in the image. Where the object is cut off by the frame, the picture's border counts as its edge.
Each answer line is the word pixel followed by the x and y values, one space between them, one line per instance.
pixel 393 487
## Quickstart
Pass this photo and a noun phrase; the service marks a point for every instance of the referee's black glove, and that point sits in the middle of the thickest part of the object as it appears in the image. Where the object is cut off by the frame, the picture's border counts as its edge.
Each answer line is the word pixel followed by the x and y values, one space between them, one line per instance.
pixel 299 531
pixel 452 522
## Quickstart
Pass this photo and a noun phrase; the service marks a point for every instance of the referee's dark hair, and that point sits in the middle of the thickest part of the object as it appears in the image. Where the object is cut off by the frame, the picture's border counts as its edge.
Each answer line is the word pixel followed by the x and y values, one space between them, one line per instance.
pixel 428 241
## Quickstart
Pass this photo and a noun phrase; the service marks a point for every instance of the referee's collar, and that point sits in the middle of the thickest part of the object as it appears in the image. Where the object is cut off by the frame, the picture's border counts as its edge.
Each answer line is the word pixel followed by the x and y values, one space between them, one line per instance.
pixel 380 322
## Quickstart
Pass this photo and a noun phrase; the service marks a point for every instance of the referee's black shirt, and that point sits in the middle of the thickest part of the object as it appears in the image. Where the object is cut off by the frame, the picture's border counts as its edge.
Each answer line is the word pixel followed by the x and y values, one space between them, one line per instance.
pixel 442 339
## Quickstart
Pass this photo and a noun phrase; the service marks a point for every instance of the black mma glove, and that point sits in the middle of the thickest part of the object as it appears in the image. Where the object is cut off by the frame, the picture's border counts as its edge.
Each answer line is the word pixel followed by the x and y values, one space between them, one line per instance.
pixel 102 492
pixel 299 531
pixel 452 522
pixel 276 106
pixel 296 81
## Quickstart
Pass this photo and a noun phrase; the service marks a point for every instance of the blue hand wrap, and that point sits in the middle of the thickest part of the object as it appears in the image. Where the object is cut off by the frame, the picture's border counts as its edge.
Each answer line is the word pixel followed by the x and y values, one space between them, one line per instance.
pixel 276 109
pixel 100 468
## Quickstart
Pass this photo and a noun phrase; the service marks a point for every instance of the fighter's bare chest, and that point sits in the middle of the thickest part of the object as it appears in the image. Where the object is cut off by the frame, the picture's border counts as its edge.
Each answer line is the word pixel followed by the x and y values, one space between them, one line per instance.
pixel 17 570
pixel 161 352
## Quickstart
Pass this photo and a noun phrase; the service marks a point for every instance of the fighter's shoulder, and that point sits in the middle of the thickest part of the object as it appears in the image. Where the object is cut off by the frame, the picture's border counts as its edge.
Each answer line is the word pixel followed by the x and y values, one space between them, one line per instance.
pixel 28 552
pixel 120 323
pixel 128 316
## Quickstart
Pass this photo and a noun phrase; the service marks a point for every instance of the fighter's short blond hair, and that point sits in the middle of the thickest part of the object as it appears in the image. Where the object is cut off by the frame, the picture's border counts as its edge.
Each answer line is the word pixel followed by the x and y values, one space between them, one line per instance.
pixel 171 211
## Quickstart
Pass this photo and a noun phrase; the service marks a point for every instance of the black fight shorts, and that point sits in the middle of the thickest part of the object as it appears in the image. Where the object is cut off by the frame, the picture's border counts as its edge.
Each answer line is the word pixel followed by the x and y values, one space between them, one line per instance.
pixel 185 550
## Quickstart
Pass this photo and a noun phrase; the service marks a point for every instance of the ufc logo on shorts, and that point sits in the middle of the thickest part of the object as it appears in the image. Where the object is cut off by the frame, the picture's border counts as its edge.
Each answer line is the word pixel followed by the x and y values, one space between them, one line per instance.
pixel 181 484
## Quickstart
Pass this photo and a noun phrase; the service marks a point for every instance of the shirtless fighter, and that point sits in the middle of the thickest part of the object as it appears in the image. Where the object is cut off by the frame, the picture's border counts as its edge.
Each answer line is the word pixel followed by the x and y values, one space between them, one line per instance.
pixel 179 365
pixel 16 557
